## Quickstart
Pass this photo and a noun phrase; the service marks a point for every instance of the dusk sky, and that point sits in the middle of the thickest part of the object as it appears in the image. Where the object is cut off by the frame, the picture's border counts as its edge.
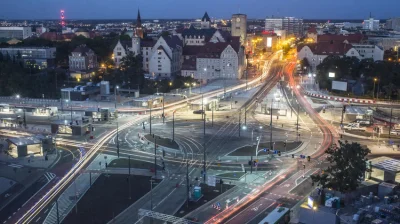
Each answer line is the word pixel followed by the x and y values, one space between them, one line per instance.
pixel 164 9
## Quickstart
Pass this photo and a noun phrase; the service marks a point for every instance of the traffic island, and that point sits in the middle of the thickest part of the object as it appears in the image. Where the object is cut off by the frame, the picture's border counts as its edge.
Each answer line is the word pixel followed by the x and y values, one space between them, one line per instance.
pixel 209 193
pixel 231 176
pixel 249 150
pixel 107 197
pixel 134 164
pixel 164 142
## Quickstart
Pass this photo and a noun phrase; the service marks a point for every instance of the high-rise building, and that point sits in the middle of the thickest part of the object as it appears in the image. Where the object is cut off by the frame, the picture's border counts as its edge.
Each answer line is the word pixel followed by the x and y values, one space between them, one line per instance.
pixel 15 32
pixel 393 24
pixel 293 26
pixel 371 24
pixel 272 24
pixel 239 26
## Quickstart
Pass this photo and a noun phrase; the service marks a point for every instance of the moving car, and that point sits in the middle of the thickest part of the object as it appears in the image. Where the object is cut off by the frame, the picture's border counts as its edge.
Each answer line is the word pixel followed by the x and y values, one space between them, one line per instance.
pixel 354 126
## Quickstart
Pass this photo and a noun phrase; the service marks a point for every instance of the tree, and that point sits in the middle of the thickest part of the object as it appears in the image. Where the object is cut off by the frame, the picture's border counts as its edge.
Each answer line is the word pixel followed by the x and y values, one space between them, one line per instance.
pixel 347 168
pixel 132 70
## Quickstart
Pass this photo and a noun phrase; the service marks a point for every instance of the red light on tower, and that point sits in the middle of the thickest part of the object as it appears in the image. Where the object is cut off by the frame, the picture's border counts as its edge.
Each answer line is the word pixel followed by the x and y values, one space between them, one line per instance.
pixel 62 18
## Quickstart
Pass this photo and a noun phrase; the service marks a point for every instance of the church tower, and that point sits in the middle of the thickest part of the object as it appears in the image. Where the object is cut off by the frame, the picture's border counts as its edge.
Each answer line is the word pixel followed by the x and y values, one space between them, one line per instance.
pixel 139 29
pixel 136 45
pixel 205 21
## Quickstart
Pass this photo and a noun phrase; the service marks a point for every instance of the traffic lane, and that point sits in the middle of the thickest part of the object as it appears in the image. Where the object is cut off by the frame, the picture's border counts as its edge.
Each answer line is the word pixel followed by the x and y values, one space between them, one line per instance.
pixel 22 199
pixel 252 211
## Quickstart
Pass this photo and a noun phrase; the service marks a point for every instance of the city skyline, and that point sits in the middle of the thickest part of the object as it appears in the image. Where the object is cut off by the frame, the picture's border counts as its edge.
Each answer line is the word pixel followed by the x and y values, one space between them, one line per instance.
pixel 125 9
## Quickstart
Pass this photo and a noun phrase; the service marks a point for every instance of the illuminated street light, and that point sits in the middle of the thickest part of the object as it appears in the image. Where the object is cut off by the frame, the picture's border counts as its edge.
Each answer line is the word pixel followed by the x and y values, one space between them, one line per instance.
pixel 17 96
pixel 244 127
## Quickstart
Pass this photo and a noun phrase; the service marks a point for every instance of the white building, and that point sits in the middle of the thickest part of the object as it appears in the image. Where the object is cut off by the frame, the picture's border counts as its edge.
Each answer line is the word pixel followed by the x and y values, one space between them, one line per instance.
pixel 371 24
pixel 82 58
pixel 316 53
pixel 166 57
pixel 218 59
pixel 122 48
pixel 15 32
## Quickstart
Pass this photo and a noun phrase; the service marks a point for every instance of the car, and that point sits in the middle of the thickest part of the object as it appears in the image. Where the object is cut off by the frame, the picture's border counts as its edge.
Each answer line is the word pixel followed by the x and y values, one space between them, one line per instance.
pixel 354 126
pixel 395 132
pixel 198 112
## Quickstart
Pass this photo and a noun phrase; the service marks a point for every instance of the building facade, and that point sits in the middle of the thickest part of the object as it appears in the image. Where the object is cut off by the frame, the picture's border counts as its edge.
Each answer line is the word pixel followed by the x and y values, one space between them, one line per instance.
pixel 205 21
pixel 239 26
pixel 316 53
pixel 166 57
pixel 82 59
pixel 293 26
pixel 272 24
pixel 15 32
pixel 393 24
pixel 371 24
pixel 41 57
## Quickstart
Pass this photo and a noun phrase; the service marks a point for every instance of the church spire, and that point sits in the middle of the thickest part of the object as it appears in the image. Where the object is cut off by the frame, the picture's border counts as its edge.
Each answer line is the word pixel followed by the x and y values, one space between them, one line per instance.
pixel 138 20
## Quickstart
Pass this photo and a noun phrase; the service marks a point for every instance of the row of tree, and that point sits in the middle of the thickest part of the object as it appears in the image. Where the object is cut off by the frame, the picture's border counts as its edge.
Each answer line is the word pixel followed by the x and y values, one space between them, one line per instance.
pixel 386 74
pixel 28 81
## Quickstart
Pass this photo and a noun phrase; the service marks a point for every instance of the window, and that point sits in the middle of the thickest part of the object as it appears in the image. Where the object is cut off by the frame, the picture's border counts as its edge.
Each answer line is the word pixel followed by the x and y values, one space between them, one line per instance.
pixel 159 69
pixel 119 54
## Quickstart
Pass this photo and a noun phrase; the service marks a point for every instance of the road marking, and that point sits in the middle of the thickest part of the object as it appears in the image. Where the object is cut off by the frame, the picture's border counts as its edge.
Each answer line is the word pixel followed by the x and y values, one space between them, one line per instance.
pixel 279 159
pixel 37 220
pixel 242 167
pixel 15 165
pixel 46 211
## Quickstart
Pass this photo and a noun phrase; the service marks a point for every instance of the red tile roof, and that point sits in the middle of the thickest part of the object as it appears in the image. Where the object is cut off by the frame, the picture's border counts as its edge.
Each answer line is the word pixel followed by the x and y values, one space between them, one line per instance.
pixel 351 38
pixel 189 63
pixel 312 29
pixel 326 48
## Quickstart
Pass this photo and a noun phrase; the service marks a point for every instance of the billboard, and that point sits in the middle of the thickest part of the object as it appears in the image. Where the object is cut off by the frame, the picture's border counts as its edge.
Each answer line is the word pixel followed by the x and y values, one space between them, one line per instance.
pixel 269 41
pixel 339 85
pixel 331 75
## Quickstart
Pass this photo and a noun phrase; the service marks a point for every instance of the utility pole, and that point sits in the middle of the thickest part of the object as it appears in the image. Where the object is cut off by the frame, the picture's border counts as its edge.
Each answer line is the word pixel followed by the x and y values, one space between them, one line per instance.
pixel 251 164
pixel 343 111
pixel 245 116
pixel 151 197
pixel 297 123
pixel 212 114
pixel 246 79
pixel 202 108
pixel 24 118
pixel 390 123
pixel 173 125
pixel 71 111
pixel 129 177
pixel 270 137
pixel 117 140
pixel 187 183
pixel 239 121
pixel 155 156
pixel 163 115
pixel 204 149
pixel 150 116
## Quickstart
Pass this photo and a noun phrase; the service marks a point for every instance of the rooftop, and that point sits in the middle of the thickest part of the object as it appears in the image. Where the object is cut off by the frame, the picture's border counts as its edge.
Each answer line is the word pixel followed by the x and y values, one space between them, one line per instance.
pixel 24 141
pixel 386 163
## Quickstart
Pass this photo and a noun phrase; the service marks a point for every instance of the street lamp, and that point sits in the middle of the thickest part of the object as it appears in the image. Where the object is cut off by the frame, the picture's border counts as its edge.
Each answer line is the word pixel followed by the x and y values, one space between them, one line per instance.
pixel 115 95
pixel 373 92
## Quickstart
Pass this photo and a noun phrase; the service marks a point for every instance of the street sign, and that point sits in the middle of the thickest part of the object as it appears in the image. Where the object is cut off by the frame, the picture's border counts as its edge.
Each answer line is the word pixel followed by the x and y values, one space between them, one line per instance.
pixel 211 181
